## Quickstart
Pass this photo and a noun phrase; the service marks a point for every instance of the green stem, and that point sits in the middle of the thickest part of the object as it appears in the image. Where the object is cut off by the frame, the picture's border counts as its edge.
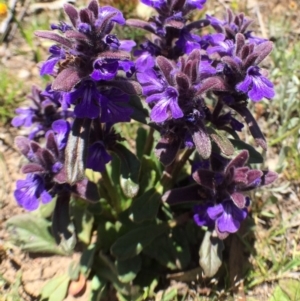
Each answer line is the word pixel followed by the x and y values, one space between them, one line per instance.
pixel 287 134
pixel 169 177
pixel 112 192
pixel 181 219
pixel 149 142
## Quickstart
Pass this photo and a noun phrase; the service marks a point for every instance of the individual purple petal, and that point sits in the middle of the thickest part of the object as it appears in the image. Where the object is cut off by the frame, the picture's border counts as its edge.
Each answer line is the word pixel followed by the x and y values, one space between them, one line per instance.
pixel 231 218
pixel 215 211
pixel 61 128
pixel 144 62
pixel 201 217
pixel 150 82
pixel 97 157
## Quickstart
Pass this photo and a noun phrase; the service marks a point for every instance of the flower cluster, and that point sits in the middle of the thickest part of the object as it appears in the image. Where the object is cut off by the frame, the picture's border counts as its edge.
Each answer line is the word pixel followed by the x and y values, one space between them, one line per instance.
pixel 195 86
pixel 87 60
pixel 91 68
pixel 47 107
pixel 197 89
pixel 45 173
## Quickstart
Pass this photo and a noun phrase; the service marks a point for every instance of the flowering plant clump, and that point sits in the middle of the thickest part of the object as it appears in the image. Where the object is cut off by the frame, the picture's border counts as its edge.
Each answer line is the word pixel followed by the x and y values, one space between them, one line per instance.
pixel 136 156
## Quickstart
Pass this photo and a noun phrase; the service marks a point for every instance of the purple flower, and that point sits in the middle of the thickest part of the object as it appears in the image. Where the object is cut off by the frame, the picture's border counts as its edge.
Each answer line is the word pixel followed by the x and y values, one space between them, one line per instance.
pixel 227 216
pixel 97 157
pixel 25 118
pixel 61 128
pixel 256 85
pixel 201 216
pixel 30 190
pixel 104 69
pixel 187 41
pixel 87 100
pixel 58 54
pixel 105 11
pixel 166 105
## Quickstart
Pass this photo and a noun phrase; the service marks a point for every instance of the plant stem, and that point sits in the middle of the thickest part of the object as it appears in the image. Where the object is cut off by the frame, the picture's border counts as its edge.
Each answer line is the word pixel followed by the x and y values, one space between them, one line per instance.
pixel 181 219
pixel 170 176
pixel 149 142
pixel 112 192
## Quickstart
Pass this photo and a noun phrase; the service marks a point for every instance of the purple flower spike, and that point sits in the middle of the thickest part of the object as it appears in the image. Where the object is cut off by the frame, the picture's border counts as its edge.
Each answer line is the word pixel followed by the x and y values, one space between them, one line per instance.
pixel 256 85
pixel 228 217
pixel 97 157
pixel 30 190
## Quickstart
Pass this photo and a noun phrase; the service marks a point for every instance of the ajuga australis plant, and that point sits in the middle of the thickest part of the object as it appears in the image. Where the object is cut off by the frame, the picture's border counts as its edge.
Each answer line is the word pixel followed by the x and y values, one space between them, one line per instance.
pixel 138 206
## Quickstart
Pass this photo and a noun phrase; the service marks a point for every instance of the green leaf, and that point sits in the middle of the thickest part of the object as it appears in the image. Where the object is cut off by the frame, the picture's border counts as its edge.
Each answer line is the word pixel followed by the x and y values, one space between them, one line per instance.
pixel 128 269
pixel 56 289
pixel 130 168
pixel 87 260
pixel 167 295
pixel 280 295
pixel 45 210
pixel 133 242
pixel 32 234
pixel 83 221
pixel 149 174
pixel 291 287
pixel 107 235
pixel 255 156
pixel 73 270
pixel 145 207
pixel 97 288
pixel 210 254
pixel 161 250
pixel 140 141
pixel 171 251
pixel 107 270
pixel 140 113
pixel 181 249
